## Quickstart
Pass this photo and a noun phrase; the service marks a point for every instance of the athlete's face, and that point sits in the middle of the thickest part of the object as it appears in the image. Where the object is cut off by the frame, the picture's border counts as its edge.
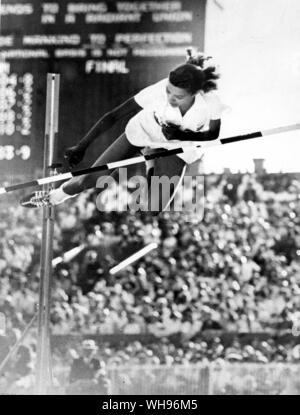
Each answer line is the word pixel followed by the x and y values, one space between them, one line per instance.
pixel 179 97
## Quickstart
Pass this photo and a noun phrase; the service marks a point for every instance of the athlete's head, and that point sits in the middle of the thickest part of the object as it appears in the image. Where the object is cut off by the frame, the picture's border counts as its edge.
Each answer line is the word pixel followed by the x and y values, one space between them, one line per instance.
pixel 188 79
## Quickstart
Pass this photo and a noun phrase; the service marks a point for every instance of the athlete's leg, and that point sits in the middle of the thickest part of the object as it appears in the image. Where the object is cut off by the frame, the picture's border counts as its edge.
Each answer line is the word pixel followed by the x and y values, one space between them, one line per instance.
pixel 174 168
pixel 118 150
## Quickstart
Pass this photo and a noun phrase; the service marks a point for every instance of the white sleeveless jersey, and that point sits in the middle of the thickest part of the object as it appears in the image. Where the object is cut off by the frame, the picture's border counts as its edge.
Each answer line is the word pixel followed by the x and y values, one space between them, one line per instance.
pixel 145 128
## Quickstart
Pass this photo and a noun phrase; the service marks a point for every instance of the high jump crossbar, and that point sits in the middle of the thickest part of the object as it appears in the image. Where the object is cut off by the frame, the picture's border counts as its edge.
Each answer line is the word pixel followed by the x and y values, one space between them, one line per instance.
pixel 140 159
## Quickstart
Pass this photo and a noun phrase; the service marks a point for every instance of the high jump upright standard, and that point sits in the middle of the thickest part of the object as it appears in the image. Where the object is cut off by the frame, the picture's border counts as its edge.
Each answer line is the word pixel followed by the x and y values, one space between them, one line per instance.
pixel 43 367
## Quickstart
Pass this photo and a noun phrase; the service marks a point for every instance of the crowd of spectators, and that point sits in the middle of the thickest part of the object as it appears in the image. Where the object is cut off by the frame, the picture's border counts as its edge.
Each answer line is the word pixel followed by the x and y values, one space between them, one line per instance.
pixel 237 269
pixel 87 368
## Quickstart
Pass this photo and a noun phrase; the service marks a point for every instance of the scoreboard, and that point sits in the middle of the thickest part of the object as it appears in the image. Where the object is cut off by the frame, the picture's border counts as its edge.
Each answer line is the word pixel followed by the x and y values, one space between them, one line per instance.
pixel 105 52
pixel 15 113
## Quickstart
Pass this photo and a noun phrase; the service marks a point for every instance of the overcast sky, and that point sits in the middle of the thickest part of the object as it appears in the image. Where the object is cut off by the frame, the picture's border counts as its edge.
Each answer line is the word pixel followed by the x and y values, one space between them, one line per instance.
pixel 256 43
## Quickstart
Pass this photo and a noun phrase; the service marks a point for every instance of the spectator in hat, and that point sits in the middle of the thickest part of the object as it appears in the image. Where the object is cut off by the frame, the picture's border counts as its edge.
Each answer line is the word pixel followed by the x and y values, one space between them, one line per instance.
pixel 87 365
pixel 88 374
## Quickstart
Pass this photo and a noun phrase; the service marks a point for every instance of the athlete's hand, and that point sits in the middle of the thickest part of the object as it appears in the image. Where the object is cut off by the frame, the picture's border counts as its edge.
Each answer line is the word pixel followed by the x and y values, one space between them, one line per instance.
pixel 74 155
pixel 171 131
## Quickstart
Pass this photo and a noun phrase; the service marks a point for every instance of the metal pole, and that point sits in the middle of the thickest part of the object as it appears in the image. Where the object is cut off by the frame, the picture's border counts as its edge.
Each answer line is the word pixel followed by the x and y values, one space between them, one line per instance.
pixel 43 373
pixel 17 344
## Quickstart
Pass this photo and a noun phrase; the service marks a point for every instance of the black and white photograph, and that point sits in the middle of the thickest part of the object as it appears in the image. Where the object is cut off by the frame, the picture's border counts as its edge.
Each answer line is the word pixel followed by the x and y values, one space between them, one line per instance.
pixel 149 201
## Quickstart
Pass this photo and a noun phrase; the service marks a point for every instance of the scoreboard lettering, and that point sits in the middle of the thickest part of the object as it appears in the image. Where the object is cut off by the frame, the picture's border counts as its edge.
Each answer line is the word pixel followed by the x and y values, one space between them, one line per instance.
pixel 105 51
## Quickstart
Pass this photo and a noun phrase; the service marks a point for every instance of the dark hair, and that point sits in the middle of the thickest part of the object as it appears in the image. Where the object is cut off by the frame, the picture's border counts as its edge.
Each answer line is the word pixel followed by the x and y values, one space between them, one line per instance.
pixel 192 75
pixel 196 58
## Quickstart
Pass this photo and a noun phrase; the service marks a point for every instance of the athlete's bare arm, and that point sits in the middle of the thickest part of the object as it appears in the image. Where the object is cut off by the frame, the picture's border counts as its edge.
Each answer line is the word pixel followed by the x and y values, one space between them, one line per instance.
pixel 76 153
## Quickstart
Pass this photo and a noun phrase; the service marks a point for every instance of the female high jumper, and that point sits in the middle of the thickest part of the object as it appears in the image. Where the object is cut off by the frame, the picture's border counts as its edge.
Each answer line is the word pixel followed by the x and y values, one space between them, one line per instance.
pixel 181 108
